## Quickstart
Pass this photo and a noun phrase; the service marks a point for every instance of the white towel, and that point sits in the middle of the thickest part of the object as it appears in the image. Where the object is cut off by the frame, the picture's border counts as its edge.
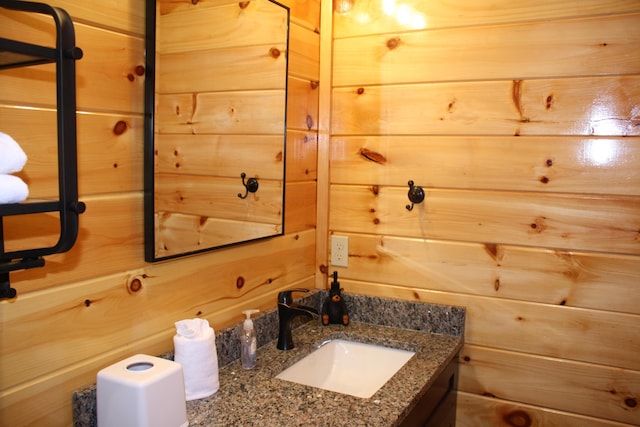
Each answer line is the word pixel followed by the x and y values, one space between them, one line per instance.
pixel 12 189
pixel 12 158
pixel 195 350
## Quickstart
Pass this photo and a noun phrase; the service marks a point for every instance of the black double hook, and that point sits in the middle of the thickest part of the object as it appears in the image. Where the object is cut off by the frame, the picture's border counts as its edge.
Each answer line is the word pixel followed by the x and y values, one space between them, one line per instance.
pixel 416 195
pixel 251 186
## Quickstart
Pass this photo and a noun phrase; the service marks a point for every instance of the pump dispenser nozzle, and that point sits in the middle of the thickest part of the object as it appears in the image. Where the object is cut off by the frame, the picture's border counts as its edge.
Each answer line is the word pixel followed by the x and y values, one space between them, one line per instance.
pixel 248 323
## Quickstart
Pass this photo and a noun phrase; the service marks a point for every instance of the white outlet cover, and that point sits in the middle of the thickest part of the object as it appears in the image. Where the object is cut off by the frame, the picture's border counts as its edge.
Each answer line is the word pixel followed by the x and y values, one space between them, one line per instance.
pixel 340 251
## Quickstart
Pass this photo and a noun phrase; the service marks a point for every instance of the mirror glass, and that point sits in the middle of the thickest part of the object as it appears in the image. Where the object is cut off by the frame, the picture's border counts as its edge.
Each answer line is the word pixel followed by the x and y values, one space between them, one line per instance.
pixel 215 102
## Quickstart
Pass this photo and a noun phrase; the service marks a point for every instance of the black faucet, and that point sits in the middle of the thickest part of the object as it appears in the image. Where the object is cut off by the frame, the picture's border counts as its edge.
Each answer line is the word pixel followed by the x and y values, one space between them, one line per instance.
pixel 287 310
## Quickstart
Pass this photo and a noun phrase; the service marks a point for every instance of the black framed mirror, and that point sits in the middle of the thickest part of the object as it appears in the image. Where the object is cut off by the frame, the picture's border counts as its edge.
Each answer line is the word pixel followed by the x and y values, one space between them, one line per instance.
pixel 215 124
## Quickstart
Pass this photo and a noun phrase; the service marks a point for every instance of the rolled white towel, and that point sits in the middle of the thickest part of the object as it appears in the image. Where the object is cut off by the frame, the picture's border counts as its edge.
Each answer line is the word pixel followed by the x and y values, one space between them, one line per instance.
pixel 12 157
pixel 12 189
pixel 195 350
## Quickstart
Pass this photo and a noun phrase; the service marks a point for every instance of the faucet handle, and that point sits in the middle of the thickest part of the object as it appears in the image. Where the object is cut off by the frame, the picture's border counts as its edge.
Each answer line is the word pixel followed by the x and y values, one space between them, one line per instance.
pixel 285 297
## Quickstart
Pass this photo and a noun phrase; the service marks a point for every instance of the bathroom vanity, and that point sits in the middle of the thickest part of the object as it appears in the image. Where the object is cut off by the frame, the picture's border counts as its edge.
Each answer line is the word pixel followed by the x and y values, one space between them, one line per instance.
pixel 421 393
pixel 410 398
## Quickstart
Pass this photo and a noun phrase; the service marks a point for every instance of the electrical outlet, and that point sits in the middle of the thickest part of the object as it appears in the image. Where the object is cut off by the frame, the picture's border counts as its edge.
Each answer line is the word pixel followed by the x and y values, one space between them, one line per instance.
pixel 340 251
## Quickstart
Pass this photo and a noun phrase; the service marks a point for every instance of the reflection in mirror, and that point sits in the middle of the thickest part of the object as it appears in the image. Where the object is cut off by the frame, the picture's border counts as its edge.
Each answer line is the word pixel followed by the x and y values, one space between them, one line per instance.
pixel 215 122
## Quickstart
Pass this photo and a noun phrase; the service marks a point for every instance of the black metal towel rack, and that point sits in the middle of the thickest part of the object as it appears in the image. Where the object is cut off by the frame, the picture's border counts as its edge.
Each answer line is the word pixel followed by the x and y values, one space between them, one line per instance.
pixel 14 54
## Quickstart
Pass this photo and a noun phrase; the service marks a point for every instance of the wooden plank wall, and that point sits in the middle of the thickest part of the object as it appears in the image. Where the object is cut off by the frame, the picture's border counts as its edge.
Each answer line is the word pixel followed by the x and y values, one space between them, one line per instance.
pixel 521 121
pixel 100 302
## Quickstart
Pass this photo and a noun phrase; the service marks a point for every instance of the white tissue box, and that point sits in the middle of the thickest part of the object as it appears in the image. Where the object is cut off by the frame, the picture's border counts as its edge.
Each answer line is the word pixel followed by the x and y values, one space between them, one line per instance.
pixel 142 391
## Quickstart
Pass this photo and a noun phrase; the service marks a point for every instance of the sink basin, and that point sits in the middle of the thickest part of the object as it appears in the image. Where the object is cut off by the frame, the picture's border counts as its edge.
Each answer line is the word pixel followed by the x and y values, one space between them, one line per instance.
pixel 348 367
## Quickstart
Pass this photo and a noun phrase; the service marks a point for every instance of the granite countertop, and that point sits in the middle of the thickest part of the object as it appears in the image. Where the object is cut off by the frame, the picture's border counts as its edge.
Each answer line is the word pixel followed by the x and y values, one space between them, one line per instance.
pixel 256 397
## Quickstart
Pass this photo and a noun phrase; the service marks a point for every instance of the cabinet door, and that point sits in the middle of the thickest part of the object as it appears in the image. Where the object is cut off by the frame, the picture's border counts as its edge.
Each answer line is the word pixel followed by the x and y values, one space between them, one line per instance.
pixel 445 414
pixel 437 407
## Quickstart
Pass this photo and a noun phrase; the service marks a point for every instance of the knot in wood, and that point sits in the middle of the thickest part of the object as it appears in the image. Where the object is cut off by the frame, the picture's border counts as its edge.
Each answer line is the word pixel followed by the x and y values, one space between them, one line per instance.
pixel 373 156
pixel 393 43
pixel 549 102
pixel 136 285
pixel 539 225
pixel 274 52
pixel 240 282
pixel 518 419
pixel 120 127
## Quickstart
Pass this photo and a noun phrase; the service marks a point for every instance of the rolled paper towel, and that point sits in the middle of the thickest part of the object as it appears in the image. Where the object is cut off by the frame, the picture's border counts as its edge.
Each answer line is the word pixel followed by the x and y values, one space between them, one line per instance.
pixel 12 158
pixel 195 350
pixel 12 189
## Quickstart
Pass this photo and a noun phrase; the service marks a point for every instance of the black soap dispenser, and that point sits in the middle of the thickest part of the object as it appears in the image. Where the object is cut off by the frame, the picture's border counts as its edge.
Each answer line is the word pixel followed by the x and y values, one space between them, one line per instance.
pixel 334 309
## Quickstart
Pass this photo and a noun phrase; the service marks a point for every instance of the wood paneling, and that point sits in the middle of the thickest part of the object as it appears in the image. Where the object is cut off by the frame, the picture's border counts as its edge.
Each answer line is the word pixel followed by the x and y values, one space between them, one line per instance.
pixel 604 337
pixel 217 154
pixel 581 47
pixel 603 106
pixel 80 312
pixel 109 146
pixel 221 69
pixel 520 121
pixel 549 382
pixel 473 106
pixel 221 112
pixel 218 198
pixel 367 17
pixel 302 104
pixel 305 13
pixel 592 390
pixel 180 233
pixel 300 206
pixel 109 241
pixel 540 164
pixel 599 281
pixel 110 76
pixel 610 224
pixel 324 138
pixel 479 411
pixel 301 157
pixel 125 16
pixel 204 286
pixel 191 27
pixel 304 53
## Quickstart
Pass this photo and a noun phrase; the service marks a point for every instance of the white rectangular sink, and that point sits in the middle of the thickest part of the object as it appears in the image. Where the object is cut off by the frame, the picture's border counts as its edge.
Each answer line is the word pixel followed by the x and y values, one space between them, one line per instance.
pixel 348 367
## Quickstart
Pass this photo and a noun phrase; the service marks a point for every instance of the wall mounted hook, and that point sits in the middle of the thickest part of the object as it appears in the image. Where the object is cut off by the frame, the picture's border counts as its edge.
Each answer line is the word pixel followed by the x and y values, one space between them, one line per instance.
pixel 251 186
pixel 415 194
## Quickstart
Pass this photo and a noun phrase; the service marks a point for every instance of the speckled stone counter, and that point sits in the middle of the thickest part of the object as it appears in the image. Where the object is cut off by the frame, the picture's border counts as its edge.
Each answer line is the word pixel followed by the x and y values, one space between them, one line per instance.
pixel 257 398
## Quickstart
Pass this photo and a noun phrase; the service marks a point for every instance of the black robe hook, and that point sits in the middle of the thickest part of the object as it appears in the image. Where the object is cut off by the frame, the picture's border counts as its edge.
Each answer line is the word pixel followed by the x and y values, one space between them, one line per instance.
pixel 251 186
pixel 416 195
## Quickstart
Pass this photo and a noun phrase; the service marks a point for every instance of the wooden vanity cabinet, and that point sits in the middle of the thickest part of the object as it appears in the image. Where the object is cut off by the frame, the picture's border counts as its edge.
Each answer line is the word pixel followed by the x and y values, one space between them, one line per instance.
pixel 437 407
